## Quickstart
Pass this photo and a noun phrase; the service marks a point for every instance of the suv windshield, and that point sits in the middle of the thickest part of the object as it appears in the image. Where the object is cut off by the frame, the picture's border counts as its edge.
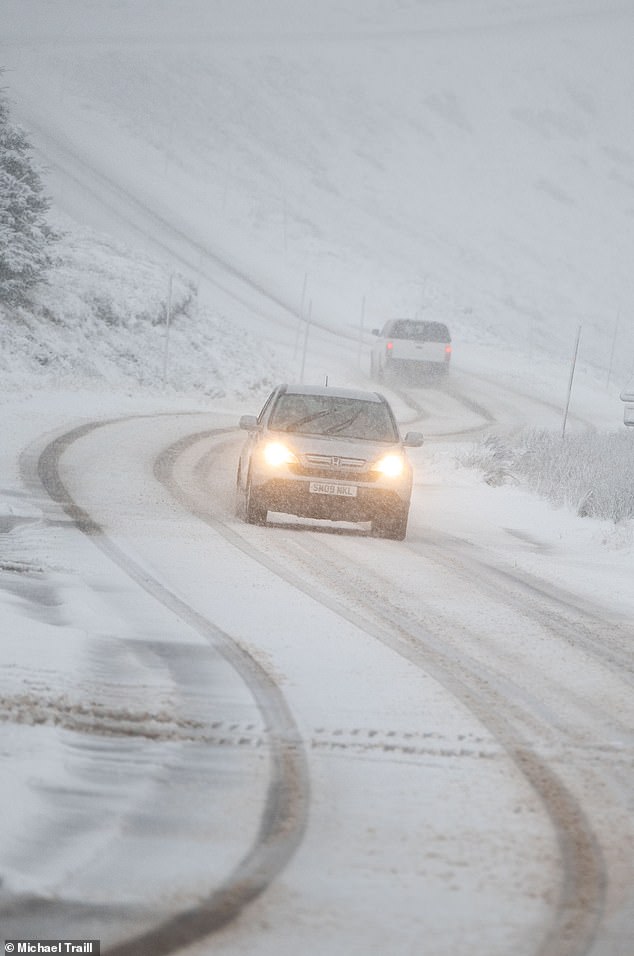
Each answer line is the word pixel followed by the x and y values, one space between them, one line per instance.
pixel 337 416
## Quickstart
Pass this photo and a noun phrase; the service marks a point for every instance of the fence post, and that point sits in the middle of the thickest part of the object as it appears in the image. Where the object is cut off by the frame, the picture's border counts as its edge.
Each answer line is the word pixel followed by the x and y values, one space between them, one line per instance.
pixel 168 319
pixel 308 319
pixel 300 317
pixel 361 332
pixel 572 374
pixel 616 332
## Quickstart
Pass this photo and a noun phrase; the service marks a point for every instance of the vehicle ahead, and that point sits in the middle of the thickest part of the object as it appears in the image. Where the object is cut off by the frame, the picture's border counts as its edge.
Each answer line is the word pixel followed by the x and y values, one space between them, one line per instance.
pixel 627 396
pixel 321 452
pixel 410 345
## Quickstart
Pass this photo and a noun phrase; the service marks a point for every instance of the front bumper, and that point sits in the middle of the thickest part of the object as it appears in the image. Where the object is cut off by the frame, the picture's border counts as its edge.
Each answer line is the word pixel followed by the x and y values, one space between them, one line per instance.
pixel 291 494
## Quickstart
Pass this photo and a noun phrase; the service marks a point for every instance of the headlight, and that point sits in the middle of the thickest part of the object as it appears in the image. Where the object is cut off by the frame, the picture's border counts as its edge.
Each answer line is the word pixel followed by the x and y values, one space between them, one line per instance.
pixel 392 466
pixel 276 454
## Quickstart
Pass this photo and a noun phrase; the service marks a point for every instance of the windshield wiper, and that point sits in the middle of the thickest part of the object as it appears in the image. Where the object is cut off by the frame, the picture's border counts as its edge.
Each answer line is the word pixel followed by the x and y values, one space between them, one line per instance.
pixel 338 426
pixel 292 426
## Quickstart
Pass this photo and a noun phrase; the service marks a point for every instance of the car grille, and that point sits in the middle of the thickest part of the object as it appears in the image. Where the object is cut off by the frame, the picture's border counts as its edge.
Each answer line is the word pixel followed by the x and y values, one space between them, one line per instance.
pixel 333 466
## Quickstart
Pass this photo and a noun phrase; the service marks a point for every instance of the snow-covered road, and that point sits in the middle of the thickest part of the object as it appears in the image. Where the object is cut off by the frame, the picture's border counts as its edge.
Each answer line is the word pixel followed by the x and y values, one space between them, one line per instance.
pixel 370 743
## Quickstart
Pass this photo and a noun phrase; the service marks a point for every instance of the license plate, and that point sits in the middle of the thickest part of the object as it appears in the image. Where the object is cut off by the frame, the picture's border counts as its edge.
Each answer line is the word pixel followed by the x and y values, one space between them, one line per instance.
pixel 331 488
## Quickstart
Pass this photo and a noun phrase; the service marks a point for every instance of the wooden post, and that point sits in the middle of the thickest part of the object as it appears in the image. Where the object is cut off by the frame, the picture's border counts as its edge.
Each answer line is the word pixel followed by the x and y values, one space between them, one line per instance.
pixel 572 375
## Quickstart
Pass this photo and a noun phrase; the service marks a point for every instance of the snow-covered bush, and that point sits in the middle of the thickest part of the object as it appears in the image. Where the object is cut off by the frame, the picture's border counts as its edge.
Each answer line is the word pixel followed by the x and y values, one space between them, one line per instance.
pixel 494 457
pixel 592 473
pixel 101 320
pixel 25 236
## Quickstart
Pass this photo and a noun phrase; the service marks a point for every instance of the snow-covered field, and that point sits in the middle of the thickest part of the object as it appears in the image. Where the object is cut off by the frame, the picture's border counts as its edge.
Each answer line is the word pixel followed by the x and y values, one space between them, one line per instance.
pixel 305 741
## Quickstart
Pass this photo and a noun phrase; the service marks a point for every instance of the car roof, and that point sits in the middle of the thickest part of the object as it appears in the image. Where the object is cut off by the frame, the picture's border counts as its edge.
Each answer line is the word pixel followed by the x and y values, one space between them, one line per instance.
pixel 417 321
pixel 332 391
pixel 423 323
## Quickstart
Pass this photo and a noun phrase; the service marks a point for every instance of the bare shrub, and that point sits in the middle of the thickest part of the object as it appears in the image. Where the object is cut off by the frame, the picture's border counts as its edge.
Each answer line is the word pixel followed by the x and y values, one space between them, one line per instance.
pixel 494 457
pixel 592 473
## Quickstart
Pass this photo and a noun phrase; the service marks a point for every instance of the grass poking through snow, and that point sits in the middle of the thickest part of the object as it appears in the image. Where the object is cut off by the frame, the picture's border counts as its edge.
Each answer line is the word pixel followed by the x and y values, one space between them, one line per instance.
pixel 590 473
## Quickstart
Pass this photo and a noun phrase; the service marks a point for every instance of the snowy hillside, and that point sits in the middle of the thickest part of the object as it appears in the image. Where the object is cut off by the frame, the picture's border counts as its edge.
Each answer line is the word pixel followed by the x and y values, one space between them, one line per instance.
pixel 101 319
pixel 472 159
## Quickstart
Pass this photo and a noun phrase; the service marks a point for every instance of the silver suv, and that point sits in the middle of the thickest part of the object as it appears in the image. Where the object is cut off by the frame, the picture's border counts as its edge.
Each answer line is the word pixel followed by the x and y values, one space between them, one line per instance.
pixel 329 453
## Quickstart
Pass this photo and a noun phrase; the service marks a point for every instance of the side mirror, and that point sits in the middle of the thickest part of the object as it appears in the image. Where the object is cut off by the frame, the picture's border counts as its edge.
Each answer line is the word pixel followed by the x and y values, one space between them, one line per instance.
pixel 414 439
pixel 249 423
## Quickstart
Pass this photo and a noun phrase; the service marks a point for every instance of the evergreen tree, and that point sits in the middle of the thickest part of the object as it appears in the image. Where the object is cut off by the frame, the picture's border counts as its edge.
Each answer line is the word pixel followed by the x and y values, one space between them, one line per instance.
pixel 25 237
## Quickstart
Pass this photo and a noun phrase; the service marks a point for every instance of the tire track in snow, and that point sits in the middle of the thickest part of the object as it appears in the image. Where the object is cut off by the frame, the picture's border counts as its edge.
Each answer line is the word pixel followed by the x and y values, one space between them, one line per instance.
pixel 578 912
pixel 284 815
pixel 573 618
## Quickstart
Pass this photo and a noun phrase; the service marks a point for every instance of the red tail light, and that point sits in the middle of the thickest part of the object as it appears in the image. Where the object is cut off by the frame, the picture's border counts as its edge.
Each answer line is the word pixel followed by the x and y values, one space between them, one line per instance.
pixel 389 346
pixel 448 349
